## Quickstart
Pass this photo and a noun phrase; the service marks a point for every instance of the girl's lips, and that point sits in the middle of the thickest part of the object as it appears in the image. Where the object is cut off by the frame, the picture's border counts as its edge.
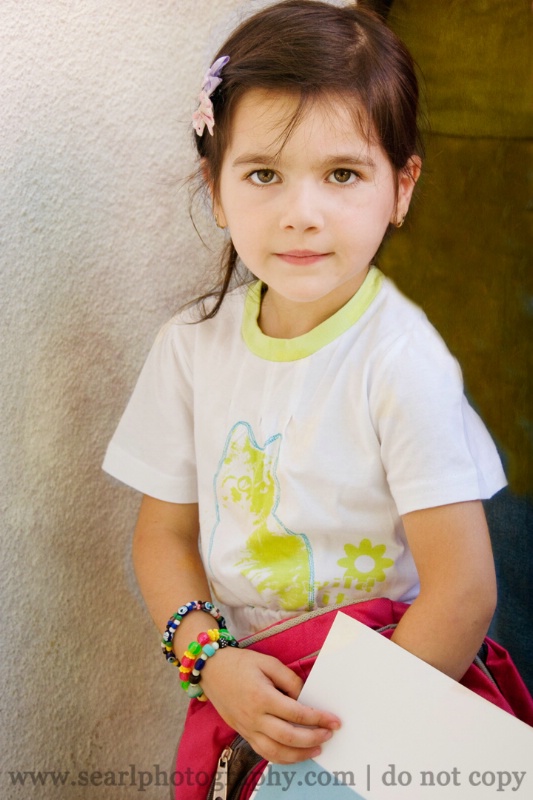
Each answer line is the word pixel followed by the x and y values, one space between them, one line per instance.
pixel 302 257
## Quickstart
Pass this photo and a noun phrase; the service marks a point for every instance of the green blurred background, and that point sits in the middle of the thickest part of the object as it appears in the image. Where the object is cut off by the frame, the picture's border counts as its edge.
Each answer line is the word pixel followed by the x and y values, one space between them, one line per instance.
pixel 465 251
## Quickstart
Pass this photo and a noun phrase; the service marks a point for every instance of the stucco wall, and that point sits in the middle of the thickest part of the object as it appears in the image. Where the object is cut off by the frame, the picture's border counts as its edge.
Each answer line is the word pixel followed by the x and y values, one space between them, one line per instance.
pixel 96 251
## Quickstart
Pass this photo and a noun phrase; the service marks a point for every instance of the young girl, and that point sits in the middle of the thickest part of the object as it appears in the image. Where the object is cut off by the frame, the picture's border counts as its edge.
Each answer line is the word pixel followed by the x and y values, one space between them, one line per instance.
pixel 303 439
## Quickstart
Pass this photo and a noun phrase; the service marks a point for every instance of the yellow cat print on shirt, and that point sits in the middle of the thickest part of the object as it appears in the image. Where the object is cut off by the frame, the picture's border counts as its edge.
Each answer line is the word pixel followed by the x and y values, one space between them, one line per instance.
pixel 277 561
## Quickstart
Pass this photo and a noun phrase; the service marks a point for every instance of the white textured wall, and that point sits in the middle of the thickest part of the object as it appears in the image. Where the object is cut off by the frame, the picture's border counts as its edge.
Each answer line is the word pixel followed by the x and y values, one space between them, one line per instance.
pixel 96 251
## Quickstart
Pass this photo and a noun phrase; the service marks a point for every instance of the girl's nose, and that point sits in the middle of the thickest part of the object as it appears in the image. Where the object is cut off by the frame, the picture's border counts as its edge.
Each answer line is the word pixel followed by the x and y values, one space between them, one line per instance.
pixel 302 208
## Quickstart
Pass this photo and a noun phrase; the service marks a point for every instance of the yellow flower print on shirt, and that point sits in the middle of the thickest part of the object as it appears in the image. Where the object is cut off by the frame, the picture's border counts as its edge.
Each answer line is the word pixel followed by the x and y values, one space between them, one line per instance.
pixel 364 564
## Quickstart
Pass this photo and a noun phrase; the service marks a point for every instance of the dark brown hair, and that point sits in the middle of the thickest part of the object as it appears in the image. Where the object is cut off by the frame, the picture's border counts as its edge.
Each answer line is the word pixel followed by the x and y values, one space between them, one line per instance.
pixel 315 50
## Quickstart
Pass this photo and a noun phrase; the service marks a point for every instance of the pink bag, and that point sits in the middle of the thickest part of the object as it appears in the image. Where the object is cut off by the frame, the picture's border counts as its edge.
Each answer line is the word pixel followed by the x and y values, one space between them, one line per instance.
pixel 214 762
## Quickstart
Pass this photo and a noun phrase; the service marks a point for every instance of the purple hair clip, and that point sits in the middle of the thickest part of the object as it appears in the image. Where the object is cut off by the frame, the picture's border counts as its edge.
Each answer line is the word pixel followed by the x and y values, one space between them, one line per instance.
pixel 204 114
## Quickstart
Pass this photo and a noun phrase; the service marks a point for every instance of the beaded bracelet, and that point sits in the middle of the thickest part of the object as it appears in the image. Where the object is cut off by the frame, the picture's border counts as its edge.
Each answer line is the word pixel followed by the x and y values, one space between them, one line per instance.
pixel 174 623
pixel 196 655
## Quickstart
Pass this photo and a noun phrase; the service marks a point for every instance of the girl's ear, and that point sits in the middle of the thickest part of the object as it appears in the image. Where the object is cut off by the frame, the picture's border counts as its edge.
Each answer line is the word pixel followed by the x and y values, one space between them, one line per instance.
pixel 220 219
pixel 406 183
pixel 218 213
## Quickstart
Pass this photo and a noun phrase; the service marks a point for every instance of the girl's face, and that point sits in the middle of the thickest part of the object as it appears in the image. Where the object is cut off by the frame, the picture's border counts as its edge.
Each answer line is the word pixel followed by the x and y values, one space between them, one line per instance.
pixel 306 220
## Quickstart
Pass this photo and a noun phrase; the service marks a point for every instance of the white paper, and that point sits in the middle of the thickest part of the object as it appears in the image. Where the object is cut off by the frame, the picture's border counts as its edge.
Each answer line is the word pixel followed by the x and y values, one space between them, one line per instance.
pixel 409 730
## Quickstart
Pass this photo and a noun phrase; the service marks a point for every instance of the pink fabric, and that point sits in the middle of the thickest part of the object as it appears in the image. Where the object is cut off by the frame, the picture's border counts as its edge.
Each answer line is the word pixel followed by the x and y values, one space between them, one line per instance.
pixel 206 734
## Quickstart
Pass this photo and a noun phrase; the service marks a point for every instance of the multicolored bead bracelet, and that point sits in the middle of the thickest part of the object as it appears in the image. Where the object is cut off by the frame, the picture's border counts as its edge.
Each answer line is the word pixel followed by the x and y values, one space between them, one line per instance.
pixel 174 623
pixel 196 655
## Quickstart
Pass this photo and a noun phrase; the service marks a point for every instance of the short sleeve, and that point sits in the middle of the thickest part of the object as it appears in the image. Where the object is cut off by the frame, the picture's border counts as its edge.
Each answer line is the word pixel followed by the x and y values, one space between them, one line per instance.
pixel 434 447
pixel 152 449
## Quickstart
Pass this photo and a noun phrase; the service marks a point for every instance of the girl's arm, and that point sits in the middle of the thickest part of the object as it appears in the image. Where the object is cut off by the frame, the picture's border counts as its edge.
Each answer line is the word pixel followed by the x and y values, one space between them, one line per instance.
pixel 446 624
pixel 254 693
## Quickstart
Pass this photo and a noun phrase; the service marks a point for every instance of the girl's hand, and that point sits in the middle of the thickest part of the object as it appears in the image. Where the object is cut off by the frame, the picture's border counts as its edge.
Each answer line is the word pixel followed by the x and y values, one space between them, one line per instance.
pixel 256 694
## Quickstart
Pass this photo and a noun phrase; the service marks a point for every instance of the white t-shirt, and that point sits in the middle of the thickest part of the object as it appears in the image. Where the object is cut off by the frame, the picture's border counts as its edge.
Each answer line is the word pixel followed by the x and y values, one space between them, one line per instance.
pixel 304 453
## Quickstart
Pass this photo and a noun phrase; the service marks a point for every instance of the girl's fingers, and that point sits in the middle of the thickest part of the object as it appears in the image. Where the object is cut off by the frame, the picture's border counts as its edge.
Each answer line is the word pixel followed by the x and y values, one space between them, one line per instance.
pixel 301 715
pixel 295 736
pixel 262 706
pixel 282 677
pixel 287 707
pixel 278 753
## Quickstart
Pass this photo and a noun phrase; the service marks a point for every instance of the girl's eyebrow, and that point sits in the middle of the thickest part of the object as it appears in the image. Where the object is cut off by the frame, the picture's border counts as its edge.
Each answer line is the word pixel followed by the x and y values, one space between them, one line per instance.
pixel 348 160
pixel 255 158
pixel 344 159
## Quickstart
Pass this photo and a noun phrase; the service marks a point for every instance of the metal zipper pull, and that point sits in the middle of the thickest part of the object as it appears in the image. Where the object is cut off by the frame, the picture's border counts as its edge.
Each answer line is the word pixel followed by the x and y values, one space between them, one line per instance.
pixel 221 777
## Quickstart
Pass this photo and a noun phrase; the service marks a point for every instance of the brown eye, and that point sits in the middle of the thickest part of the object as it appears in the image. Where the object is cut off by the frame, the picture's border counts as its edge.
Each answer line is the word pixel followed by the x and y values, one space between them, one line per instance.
pixel 262 177
pixel 343 176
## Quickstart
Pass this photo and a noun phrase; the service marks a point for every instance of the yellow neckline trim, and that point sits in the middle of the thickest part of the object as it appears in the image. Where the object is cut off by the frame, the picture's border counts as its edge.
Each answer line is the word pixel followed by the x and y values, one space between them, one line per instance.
pixel 302 346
